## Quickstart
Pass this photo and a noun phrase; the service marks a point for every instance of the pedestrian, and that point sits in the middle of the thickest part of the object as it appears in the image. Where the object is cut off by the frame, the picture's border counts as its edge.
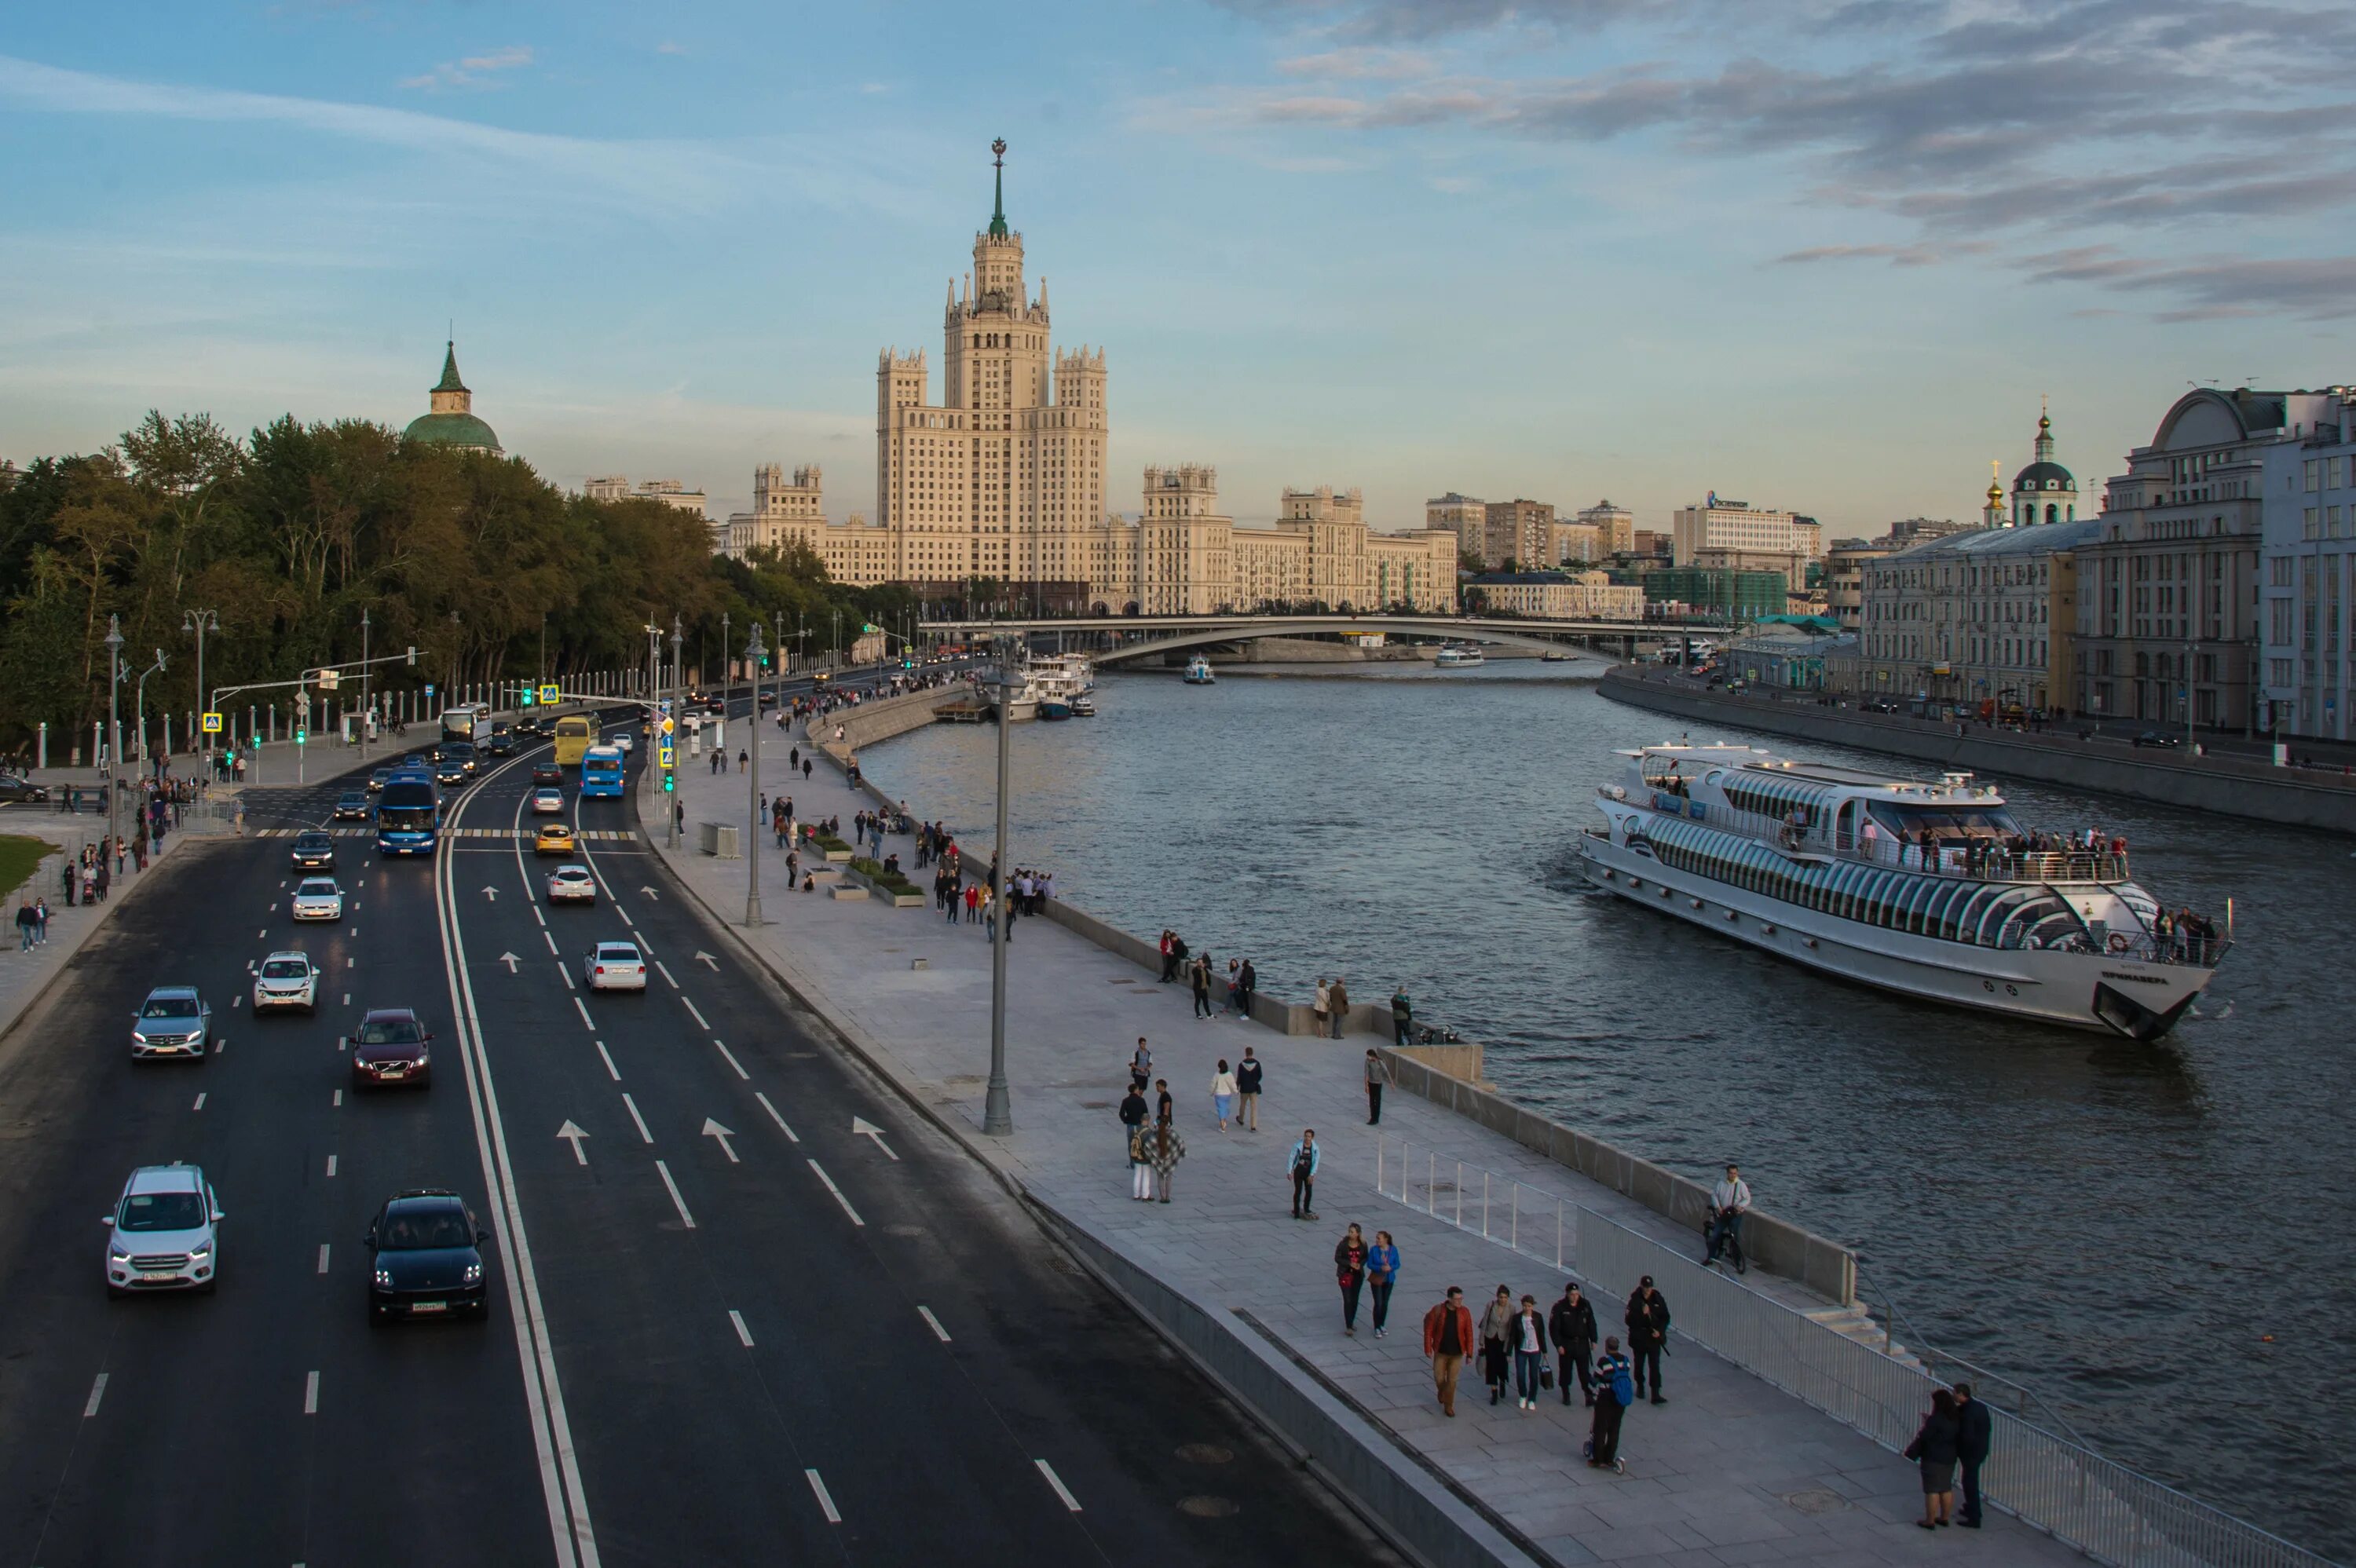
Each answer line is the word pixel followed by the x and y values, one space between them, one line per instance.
pixel 71 881
pixel 972 902
pixel 1201 978
pixel 1974 1428
pixel 1235 995
pixel 40 922
pixel 103 877
pixel 1529 1345
pixel 1167 1148
pixel 1323 1006
pixel 1447 1336
pixel 1302 1166
pixel 1338 997
pixel 1496 1338
pixel 1161 1098
pixel 793 865
pixel 1615 1391
pixel 1572 1324
pixel 1247 982
pixel 25 922
pixel 1140 1066
pixel 1382 1274
pixel 1648 1330
pixel 805 768
pixel 1377 1076
pixel 1168 963
pixel 1223 1093
pixel 1729 1200
pixel 1248 1080
pixel 1402 1015
pixel 793 759
pixel 1350 1272
pixel 1933 1449
pixel 1132 1112
pixel 1141 1160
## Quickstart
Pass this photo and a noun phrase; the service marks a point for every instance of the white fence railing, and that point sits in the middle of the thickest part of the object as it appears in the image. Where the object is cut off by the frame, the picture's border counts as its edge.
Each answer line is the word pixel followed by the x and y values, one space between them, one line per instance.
pixel 2107 1511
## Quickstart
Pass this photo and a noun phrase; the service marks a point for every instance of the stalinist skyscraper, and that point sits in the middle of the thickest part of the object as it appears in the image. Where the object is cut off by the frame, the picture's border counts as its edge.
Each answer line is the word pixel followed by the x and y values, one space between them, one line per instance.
pixel 1003 477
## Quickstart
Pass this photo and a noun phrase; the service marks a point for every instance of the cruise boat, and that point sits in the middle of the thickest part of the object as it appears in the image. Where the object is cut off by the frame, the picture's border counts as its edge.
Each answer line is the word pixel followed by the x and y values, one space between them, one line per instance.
pixel 1198 672
pixel 1454 657
pixel 1929 890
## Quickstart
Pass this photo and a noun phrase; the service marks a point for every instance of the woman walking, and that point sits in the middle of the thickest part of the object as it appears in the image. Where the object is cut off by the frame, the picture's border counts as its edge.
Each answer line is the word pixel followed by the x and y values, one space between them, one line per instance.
pixel 1530 1352
pixel 1933 1449
pixel 1496 1332
pixel 1382 1274
pixel 1223 1093
pixel 1140 1158
pixel 1350 1273
pixel 1168 1149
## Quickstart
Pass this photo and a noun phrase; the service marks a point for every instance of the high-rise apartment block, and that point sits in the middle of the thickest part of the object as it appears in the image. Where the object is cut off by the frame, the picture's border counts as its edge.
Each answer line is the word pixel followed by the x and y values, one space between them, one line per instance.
pixel 1516 531
pixel 1615 527
pixel 1466 516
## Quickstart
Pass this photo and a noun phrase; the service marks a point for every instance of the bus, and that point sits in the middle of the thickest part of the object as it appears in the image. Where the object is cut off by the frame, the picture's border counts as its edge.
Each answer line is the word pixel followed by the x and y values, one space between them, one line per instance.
pixel 575 733
pixel 408 815
pixel 600 772
pixel 464 721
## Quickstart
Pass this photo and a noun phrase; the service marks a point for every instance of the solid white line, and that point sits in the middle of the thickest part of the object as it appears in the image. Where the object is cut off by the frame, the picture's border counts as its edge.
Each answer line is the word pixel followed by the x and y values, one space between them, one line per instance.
pixel 323 1257
pixel 564 970
pixel 838 1197
pixel 790 1132
pixel 200 1104
pixel 331 1165
pixel 699 1016
pixel 677 1202
pixel 545 936
pixel 731 1060
pixel 926 1314
pixel 1056 1481
pixel 97 1392
pixel 743 1333
pixel 311 1394
pixel 666 973
pixel 584 1014
pixel 610 1073
pixel 825 1502
pixel 644 1135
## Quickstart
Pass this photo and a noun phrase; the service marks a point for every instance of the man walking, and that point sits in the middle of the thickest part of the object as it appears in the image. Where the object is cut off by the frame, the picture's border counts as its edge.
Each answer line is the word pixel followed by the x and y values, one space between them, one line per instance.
pixel 1201 981
pixel 1377 1076
pixel 1729 1200
pixel 1402 1015
pixel 1572 1324
pixel 1140 1066
pixel 1648 1330
pixel 1301 1165
pixel 1338 999
pixel 1247 1086
pixel 1975 1429
pixel 1447 1331
pixel 1132 1112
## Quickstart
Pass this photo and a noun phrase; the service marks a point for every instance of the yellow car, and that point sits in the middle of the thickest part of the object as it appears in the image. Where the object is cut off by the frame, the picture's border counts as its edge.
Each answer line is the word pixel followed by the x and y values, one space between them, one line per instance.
pixel 555 838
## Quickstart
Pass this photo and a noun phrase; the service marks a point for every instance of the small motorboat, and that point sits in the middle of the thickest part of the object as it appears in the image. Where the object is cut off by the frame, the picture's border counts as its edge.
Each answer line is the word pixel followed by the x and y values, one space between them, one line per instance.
pixel 1084 707
pixel 1198 672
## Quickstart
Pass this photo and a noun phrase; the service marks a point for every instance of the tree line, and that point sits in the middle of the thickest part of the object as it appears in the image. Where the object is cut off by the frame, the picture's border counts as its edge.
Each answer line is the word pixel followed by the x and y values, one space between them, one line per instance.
pixel 294 532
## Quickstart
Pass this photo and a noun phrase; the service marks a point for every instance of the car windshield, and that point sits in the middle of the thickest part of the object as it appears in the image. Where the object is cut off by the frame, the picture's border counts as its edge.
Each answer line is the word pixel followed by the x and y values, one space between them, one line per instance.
pixel 618 955
pixel 556 830
pixel 417 1231
pixel 546 794
pixel 394 1031
pixel 161 1211
pixel 169 1008
pixel 317 887
pixel 314 841
pixel 286 969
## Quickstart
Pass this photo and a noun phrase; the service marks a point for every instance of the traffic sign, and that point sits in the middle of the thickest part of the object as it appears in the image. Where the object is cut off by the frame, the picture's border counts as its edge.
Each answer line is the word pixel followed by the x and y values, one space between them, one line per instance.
pixel 429 688
pixel 551 693
pixel 669 727
pixel 212 723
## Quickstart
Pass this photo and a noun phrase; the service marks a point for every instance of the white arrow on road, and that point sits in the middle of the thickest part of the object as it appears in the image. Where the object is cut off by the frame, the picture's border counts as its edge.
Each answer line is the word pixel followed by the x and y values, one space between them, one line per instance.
pixel 573 1136
pixel 866 1129
pixel 712 1129
pixel 511 960
pixel 703 958
pixel 491 893
pixel 651 893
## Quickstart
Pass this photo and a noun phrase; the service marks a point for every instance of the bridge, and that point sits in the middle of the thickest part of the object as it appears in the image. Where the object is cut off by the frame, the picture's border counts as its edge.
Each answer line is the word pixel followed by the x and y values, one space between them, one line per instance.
pixel 1119 639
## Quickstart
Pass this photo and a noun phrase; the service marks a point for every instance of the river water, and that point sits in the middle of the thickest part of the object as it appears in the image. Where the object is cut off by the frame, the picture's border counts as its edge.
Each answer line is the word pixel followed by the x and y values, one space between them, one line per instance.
pixel 2149 1235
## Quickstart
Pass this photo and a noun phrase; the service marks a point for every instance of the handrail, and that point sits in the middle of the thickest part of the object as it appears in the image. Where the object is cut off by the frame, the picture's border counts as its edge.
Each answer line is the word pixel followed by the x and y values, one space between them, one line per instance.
pixel 1982 1379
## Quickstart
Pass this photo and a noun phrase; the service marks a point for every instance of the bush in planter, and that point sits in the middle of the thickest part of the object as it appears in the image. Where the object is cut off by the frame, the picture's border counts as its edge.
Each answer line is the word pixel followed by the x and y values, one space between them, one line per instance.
pixel 829 843
pixel 889 882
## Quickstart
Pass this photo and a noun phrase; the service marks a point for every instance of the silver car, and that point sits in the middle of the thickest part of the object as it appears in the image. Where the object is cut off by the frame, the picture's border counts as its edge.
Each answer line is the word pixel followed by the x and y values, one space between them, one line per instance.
pixel 287 980
pixel 173 1021
pixel 162 1232
pixel 318 898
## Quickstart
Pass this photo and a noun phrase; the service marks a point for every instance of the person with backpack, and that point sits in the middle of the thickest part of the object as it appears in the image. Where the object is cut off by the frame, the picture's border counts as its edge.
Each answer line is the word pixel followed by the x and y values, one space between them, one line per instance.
pixel 1572 1324
pixel 1648 1330
pixel 1302 1166
pixel 1615 1391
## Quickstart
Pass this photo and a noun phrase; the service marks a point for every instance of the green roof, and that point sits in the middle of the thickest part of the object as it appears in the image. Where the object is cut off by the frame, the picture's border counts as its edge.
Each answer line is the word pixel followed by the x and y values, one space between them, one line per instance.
pixel 450 382
pixel 452 430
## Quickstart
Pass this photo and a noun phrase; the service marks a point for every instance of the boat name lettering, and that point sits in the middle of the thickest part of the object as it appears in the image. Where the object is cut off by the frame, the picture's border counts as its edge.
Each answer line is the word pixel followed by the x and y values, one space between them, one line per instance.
pixel 2136 979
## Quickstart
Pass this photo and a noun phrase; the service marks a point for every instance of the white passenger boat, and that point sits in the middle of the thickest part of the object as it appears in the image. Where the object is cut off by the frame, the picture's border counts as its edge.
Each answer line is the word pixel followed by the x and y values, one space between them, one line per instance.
pixel 1453 658
pixel 1930 890
pixel 1198 672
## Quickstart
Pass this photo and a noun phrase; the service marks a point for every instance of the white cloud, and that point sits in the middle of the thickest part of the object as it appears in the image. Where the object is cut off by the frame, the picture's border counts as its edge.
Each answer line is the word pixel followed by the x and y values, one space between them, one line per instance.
pixel 472 70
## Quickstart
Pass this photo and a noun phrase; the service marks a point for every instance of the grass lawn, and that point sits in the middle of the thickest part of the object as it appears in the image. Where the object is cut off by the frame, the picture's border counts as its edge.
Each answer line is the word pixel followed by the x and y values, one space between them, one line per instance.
pixel 19 858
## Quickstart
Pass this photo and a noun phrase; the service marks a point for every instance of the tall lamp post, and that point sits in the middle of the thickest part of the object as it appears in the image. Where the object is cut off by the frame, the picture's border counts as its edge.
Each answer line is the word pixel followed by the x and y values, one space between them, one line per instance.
pixel 113 720
pixel 753 655
pixel 670 813
pixel 998 1107
pixel 198 621
pixel 139 704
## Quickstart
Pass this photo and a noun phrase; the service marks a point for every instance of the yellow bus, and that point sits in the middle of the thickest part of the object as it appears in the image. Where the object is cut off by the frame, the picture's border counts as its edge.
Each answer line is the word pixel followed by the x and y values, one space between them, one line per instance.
pixel 575 733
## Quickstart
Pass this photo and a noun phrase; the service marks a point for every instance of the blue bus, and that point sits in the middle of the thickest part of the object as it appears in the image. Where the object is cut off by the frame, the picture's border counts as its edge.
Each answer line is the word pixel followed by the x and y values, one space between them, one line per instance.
pixel 408 815
pixel 601 772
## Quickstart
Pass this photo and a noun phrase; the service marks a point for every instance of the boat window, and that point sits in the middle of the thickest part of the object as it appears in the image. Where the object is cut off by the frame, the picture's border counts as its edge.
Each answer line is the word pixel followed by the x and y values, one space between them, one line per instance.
pixel 1952 820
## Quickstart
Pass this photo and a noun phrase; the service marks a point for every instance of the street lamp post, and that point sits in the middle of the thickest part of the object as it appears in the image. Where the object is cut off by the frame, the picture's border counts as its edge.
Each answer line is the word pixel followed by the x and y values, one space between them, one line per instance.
pixel 671 813
pixel 139 704
pixel 197 621
pixel 998 1109
pixel 113 720
pixel 752 652
pixel 368 683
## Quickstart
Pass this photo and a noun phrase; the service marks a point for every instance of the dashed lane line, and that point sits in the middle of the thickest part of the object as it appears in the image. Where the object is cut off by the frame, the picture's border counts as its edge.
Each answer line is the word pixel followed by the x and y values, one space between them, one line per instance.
pixel 545 936
pixel 699 1021
pixel 200 1104
pixel 323 1257
pixel 311 1394
pixel 644 1135
pixel 666 973
pixel 732 1060
pixel 564 970
pixel 743 1333
pixel 1056 1481
pixel 584 1015
pixel 677 1202
pixel 838 1197
pixel 825 1500
pixel 97 1392
pixel 339 1100
pixel 331 1165
pixel 610 1071
pixel 934 1324
pixel 791 1135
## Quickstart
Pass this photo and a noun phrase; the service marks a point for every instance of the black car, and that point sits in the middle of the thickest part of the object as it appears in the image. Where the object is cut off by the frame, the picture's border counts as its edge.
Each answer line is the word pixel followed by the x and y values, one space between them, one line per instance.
pixel 314 851
pixel 14 790
pixel 449 772
pixel 547 773
pixel 501 742
pixel 427 1263
pixel 718 705
pixel 529 727
pixel 2155 738
pixel 352 805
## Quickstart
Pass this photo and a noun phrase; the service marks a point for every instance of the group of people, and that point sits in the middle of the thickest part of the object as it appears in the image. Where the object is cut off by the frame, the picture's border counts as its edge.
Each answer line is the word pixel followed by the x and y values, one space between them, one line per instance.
pixel 1513 1339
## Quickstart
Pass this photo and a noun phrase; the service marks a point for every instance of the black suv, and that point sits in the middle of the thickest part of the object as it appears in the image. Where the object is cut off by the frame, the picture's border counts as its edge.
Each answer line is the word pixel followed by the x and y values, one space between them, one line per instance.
pixel 314 851
pixel 501 742
pixel 427 1263
pixel 353 806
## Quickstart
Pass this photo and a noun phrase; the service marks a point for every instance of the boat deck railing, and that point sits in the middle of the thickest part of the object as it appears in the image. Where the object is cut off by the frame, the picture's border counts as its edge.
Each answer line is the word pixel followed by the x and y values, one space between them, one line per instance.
pixel 1981 859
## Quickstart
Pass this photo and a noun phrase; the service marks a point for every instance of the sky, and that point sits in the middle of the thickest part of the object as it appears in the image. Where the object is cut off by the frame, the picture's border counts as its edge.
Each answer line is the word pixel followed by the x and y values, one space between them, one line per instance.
pixel 1822 254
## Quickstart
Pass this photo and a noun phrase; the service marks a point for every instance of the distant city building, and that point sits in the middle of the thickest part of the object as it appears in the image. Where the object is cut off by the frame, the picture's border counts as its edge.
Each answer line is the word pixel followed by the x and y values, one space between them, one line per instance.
pixel 1573 543
pixel 1738 525
pixel 1717 591
pixel 2044 491
pixel 1647 541
pixel 2308 549
pixel 449 420
pixel 1615 528
pixel 1985 617
pixel 1844 565
pixel 1516 531
pixel 671 493
pixel 1559 596
pixel 1914 530
pixel 1466 516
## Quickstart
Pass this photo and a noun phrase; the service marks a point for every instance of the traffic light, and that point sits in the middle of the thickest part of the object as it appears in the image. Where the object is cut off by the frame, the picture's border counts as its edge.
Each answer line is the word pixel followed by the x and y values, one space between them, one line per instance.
pixel 529 695
pixel 299 734
pixel 670 783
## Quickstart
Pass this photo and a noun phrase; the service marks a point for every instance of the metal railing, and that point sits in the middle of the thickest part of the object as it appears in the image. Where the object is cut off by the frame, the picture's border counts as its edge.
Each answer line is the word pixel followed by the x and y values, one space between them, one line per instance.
pixel 2104 1509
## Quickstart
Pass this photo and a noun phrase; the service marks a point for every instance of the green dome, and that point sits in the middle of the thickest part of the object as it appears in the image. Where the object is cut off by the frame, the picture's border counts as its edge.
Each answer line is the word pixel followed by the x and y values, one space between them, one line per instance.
pixel 452 430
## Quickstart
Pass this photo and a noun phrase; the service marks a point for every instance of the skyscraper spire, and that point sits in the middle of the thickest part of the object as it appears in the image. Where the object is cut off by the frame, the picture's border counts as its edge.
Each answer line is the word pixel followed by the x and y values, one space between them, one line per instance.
pixel 998 211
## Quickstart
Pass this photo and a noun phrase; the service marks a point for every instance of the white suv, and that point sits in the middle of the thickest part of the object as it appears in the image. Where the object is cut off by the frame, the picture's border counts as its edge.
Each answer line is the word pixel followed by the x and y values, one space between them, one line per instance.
pixel 162 1234
pixel 287 980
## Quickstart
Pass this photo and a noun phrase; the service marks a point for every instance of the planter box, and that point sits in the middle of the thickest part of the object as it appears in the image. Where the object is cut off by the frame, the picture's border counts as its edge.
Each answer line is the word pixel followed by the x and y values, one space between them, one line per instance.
pixel 846 891
pixel 838 856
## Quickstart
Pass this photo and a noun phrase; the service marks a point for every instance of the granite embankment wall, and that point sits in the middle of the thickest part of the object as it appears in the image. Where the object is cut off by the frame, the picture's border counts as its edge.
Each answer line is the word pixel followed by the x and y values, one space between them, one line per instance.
pixel 2235 786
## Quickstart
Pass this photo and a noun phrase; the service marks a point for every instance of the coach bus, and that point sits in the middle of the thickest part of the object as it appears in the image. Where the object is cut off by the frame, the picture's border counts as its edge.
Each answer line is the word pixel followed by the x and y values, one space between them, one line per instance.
pixel 600 772
pixel 468 721
pixel 575 733
pixel 408 815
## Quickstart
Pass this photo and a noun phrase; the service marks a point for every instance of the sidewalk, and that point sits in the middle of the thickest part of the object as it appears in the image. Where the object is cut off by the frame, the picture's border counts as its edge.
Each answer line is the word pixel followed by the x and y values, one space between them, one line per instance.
pixel 1731 1471
pixel 24 976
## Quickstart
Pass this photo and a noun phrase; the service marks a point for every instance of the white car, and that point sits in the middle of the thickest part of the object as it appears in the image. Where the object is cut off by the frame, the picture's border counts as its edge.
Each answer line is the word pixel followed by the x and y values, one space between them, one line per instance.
pixel 571 884
pixel 615 966
pixel 287 980
pixel 318 898
pixel 548 801
pixel 161 1232
pixel 620 741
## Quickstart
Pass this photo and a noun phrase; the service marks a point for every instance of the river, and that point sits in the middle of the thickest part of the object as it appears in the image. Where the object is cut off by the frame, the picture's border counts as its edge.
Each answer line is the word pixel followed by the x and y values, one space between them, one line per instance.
pixel 2143 1233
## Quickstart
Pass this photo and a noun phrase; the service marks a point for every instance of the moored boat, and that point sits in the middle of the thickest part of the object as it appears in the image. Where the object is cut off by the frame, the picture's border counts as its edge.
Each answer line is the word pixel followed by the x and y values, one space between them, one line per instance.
pixel 1198 672
pixel 1454 657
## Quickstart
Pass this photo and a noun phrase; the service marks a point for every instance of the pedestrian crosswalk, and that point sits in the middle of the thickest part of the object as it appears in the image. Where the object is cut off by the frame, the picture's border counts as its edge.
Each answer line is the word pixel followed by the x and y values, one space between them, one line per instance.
pixel 594 835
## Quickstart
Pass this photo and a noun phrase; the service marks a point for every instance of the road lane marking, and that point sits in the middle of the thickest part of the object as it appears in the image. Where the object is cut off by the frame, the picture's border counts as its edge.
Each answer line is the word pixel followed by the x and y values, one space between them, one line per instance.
pixel 700 1022
pixel 311 1394
pixel 825 1502
pixel 545 936
pixel 644 1135
pixel 934 1323
pixel 573 1134
pixel 1056 1481
pixel 200 1104
pixel 348 998
pixel 237 1001
pixel 791 1134
pixel 731 1060
pixel 861 1128
pixel 351 962
pixel 584 1014
pixel 331 1165
pixel 220 1045
pixel 264 932
pixel 564 970
pixel 712 1129
pixel 339 1097
pixel 666 973
pixel 539 916
pixel 677 1202
pixel 743 1333
pixel 838 1197
pixel 323 1257
pixel 97 1392
pixel 610 1073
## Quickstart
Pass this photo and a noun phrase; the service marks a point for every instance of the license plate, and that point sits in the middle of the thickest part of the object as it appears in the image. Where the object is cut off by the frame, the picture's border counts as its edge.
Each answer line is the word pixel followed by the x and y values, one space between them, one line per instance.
pixel 428 1305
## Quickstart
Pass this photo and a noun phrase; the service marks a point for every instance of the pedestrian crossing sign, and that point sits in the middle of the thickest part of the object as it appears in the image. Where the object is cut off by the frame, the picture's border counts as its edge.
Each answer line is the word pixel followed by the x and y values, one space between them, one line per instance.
pixel 212 723
pixel 549 693
pixel 664 753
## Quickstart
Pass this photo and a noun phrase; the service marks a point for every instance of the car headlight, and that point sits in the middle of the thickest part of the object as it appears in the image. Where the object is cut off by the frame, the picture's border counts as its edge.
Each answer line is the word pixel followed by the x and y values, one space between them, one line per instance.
pixel 119 1255
pixel 474 1274
pixel 384 1279
pixel 199 1254
pixel 424 1057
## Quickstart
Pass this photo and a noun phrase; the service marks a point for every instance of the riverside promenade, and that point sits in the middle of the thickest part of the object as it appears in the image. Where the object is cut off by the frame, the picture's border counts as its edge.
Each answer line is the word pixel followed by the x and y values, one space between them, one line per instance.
pixel 1730 1471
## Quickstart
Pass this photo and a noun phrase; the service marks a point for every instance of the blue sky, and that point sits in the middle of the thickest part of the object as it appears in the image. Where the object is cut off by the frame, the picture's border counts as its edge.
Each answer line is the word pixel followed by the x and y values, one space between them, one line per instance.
pixel 1823 253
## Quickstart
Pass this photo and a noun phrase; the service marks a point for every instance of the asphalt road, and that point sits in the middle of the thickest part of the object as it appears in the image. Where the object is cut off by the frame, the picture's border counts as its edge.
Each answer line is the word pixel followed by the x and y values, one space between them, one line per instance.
pixel 798 1342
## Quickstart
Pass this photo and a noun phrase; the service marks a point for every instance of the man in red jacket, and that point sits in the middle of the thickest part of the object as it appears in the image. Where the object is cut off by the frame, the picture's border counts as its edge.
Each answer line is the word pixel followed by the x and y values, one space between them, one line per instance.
pixel 1447 1339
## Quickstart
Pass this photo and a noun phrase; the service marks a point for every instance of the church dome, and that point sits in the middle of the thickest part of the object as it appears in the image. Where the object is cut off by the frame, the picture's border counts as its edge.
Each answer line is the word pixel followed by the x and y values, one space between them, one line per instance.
pixel 2045 475
pixel 450 421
